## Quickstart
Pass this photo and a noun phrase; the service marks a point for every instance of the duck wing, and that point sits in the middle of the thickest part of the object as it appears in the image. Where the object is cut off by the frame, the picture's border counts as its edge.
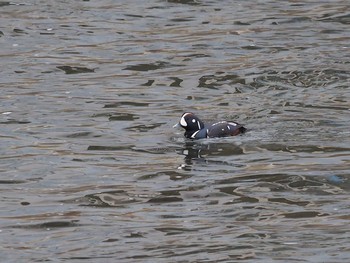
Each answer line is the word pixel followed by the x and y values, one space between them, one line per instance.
pixel 224 129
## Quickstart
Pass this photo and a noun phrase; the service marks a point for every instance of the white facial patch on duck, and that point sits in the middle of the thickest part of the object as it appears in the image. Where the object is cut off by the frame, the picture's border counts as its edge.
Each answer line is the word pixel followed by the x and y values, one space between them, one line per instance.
pixel 183 121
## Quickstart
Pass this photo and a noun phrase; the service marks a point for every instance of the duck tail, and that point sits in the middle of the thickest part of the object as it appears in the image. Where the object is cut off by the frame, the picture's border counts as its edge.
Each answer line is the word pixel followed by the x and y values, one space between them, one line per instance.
pixel 242 129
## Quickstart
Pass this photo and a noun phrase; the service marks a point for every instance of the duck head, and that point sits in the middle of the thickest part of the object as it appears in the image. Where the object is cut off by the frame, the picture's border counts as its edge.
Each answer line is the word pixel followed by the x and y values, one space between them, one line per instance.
pixel 191 123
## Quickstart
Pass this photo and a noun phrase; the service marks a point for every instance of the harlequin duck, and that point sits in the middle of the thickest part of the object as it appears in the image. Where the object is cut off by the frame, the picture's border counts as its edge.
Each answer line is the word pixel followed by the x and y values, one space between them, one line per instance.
pixel 196 129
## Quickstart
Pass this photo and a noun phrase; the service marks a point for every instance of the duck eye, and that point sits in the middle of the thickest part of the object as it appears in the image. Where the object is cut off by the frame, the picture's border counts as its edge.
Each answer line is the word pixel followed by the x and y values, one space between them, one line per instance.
pixel 193 120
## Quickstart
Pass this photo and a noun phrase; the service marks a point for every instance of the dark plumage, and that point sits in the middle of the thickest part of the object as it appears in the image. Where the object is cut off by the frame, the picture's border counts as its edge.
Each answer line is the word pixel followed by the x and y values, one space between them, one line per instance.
pixel 196 129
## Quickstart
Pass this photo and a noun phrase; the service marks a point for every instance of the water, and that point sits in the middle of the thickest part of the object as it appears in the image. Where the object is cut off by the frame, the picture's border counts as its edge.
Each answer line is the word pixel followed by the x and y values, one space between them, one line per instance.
pixel 92 170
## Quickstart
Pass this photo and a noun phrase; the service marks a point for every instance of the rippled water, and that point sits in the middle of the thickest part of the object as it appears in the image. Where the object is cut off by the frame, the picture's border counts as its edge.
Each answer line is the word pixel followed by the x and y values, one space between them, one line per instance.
pixel 92 170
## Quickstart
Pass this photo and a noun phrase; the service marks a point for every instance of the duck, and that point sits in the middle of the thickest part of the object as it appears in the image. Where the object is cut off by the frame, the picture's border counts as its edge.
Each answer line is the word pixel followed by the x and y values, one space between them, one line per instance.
pixel 196 129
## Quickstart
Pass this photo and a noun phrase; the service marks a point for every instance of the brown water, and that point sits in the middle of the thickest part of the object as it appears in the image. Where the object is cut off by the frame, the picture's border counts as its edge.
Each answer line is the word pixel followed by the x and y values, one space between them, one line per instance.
pixel 92 170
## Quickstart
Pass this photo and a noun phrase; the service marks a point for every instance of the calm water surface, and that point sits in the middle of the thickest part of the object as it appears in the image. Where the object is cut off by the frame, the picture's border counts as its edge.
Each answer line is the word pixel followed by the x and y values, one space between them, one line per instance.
pixel 91 169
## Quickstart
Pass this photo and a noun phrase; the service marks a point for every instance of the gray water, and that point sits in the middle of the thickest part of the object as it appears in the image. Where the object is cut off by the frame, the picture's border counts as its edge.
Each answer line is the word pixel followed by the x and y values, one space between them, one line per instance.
pixel 92 170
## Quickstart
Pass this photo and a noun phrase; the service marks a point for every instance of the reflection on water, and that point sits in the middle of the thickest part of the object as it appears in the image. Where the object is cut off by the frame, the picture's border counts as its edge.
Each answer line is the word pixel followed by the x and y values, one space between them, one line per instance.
pixel 91 168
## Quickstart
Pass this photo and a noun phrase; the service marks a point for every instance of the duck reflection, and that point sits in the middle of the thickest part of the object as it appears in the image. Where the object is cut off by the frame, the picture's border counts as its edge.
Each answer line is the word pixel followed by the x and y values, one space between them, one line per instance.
pixel 197 152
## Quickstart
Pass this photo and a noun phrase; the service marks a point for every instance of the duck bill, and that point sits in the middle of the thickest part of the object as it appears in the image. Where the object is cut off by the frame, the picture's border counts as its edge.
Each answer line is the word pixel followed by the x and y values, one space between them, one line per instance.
pixel 176 125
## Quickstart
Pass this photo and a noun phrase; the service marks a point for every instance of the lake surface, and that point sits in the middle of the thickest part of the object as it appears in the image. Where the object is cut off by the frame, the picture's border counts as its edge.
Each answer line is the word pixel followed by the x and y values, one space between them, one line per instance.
pixel 91 169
